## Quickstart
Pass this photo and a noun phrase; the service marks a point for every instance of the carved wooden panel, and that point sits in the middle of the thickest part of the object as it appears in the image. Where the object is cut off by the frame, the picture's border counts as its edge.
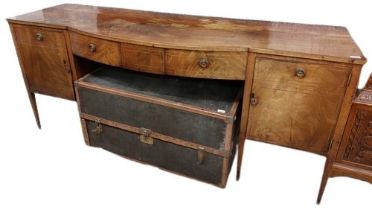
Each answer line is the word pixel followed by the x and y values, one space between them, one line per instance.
pixel 296 104
pixel 45 60
pixel 359 146
pixel 364 97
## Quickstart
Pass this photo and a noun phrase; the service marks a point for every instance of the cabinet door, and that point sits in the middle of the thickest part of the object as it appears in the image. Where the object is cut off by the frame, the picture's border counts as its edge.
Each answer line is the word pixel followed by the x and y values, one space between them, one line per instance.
pixel 45 60
pixel 295 103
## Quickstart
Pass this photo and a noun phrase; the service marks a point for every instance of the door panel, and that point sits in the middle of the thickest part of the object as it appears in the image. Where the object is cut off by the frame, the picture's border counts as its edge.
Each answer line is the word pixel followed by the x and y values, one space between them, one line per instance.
pixel 269 111
pixel 46 64
pixel 295 111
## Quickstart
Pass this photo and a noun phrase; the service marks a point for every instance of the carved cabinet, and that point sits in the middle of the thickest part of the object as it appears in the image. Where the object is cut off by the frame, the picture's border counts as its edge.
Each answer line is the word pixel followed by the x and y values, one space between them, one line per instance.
pixel 353 157
pixel 358 142
pixel 356 145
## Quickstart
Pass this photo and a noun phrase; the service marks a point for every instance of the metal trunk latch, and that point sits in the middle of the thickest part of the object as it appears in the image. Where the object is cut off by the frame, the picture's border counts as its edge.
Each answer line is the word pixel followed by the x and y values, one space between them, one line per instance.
pixel 98 128
pixel 145 136
pixel 201 155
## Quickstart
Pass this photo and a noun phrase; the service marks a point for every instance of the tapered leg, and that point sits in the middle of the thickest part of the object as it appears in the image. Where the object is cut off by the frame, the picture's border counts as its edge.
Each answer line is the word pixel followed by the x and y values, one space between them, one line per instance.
pixel 32 98
pixel 245 108
pixel 240 155
pixel 323 184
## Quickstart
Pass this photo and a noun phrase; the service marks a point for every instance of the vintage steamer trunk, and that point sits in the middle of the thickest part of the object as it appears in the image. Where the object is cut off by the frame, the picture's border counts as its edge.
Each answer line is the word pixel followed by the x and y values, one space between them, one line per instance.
pixel 179 124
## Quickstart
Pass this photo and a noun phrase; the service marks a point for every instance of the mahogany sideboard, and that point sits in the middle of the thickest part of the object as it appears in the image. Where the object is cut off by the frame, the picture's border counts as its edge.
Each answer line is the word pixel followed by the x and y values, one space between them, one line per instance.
pixel 299 80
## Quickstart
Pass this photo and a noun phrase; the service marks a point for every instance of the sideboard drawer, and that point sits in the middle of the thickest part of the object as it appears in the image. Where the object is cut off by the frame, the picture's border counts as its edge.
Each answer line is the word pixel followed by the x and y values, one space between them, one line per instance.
pixel 37 36
pixel 299 75
pixel 102 51
pixel 206 64
pixel 143 58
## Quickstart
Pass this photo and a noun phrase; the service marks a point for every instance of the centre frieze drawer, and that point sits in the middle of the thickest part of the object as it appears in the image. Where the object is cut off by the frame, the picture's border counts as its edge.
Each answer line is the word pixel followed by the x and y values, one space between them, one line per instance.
pixel 206 64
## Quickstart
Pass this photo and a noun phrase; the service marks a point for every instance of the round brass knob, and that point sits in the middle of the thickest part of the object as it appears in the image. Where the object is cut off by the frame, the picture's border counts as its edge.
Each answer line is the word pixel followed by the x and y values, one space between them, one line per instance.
pixel 92 47
pixel 39 36
pixel 203 63
pixel 300 73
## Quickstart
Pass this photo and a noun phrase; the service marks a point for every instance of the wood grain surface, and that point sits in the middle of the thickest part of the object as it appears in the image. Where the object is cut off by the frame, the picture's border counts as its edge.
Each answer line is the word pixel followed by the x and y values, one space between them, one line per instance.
pixel 46 63
pixel 219 65
pixel 143 58
pixel 296 112
pixel 201 33
pixel 99 50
